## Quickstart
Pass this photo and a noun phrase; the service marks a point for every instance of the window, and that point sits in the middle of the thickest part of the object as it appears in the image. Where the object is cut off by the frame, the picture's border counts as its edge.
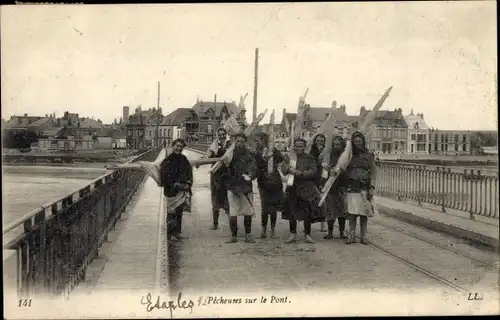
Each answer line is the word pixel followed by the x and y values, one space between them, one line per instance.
pixel 456 145
pixel 305 123
pixel 446 147
pixel 210 128
pixel 413 137
pixel 430 147
pixel 411 147
pixel 464 147
pixel 169 132
pixel 464 140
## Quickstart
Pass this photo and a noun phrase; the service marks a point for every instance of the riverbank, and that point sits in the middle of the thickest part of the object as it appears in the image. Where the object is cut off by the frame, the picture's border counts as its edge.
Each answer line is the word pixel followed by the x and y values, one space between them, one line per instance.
pixel 74 158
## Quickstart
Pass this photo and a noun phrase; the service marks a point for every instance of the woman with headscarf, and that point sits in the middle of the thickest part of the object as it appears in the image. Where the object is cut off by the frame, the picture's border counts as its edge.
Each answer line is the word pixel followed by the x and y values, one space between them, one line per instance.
pixel 269 183
pixel 176 175
pixel 335 201
pixel 302 198
pixel 241 171
pixel 315 151
pixel 218 179
pixel 359 180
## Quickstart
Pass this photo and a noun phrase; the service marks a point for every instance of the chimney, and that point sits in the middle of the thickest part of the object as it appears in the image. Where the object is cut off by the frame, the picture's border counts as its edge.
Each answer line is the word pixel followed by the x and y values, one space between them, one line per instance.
pixel 400 111
pixel 284 113
pixel 25 114
pixel 197 99
pixel 334 104
pixel 342 108
pixel 411 113
pixel 422 116
pixel 362 110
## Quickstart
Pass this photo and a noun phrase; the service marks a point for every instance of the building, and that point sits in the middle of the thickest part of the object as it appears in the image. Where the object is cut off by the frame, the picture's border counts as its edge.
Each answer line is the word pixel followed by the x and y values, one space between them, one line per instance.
pixel 126 113
pixel 206 117
pixel 119 139
pixel 449 142
pixel 418 134
pixel 136 132
pixel 105 138
pixel 281 137
pixel 388 132
pixel 172 126
pixel 314 117
pixel 22 121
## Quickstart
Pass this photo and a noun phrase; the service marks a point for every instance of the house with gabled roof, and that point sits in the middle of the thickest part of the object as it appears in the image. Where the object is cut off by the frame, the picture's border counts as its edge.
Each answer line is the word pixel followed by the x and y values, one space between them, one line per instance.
pixel 206 117
pixel 388 132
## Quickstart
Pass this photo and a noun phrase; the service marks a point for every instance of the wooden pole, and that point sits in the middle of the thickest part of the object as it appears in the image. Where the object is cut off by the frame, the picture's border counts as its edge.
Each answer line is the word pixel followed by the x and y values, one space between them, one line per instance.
pixel 158 117
pixel 255 84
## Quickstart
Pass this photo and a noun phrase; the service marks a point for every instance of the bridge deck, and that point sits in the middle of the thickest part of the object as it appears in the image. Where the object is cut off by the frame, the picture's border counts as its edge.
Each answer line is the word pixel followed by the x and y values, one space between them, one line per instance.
pixel 132 260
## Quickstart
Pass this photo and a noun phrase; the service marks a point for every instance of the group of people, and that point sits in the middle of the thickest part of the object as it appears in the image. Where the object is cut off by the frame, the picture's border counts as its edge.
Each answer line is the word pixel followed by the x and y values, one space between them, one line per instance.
pixel 232 189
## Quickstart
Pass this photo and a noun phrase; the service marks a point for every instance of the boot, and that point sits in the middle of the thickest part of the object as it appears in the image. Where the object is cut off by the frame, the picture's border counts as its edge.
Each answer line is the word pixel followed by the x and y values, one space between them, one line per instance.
pixel 263 234
pixel 249 238
pixel 273 234
pixel 342 235
pixel 216 221
pixel 363 228
pixel 309 239
pixel 233 239
pixel 292 238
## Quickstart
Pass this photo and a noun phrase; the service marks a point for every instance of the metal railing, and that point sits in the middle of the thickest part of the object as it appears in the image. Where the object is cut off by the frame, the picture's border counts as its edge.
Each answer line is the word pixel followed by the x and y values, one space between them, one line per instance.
pixel 51 247
pixel 468 191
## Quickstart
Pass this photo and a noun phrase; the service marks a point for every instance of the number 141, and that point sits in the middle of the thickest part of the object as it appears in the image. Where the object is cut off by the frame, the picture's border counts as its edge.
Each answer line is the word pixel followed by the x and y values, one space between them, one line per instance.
pixel 24 303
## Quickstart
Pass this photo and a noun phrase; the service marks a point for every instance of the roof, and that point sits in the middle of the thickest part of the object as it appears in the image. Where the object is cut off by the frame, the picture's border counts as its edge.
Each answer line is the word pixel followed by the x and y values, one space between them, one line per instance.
pixel 90 123
pixel 40 122
pixel 387 115
pixel 119 134
pixel 202 106
pixel 177 117
pixel 52 131
pixel 105 132
pixel 321 113
pixel 413 120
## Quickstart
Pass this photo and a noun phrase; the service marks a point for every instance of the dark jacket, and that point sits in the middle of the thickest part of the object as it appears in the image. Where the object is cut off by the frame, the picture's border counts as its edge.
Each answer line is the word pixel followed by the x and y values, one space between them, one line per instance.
pixel 360 171
pixel 269 181
pixel 221 174
pixel 176 173
pixel 243 162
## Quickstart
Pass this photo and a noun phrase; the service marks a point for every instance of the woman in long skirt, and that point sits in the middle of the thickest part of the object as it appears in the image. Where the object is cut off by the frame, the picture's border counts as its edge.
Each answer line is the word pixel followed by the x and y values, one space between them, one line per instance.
pixel 316 149
pixel 335 201
pixel 176 174
pixel 360 180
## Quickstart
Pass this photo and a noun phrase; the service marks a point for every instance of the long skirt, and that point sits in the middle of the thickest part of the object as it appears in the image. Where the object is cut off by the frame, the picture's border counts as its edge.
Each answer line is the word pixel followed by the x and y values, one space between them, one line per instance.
pixel 336 205
pixel 301 209
pixel 358 204
pixel 175 207
pixel 218 193
pixel 271 201
pixel 240 205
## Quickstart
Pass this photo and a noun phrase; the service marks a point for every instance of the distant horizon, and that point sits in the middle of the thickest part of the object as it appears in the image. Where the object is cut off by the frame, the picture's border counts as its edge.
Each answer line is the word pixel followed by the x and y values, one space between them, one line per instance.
pixel 441 57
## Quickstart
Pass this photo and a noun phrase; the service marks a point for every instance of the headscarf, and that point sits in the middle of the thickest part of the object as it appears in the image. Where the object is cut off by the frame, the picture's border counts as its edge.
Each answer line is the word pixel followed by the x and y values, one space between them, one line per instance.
pixel 355 135
pixel 315 152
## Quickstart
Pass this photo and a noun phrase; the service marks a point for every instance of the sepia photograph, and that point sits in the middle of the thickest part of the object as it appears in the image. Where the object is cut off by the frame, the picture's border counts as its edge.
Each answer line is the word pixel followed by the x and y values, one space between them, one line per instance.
pixel 238 160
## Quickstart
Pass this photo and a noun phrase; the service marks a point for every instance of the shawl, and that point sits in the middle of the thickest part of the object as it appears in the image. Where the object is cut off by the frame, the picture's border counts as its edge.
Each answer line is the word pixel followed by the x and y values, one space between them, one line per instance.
pixel 242 162
pixel 175 168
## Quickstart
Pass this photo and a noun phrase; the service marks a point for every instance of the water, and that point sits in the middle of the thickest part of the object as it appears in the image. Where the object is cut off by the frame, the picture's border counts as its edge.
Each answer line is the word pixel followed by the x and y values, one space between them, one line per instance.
pixel 25 188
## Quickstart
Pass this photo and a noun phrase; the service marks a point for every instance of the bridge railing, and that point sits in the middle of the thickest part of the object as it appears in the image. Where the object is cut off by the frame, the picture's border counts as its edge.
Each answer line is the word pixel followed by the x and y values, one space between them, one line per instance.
pixel 468 191
pixel 48 250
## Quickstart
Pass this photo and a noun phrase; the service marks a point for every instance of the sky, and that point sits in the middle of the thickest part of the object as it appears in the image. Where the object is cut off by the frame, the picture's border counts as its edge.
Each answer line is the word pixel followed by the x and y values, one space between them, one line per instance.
pixel 440 57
